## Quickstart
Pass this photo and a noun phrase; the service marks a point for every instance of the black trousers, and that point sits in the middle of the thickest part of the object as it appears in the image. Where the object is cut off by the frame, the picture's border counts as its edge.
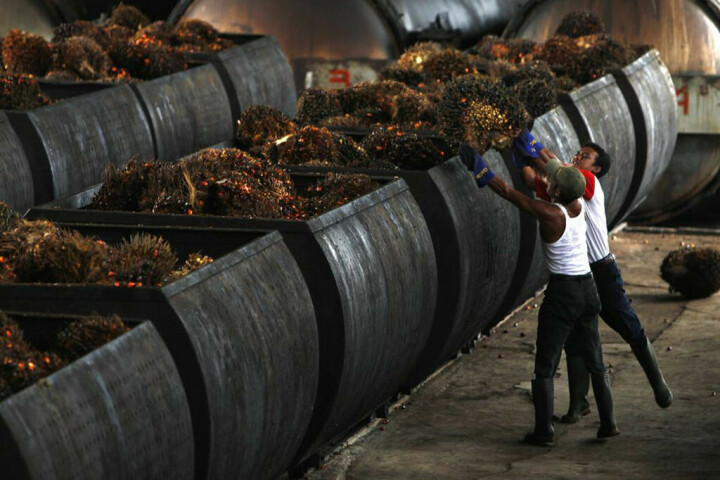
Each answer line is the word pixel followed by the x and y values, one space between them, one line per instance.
pixel 616 309
pixel 568 317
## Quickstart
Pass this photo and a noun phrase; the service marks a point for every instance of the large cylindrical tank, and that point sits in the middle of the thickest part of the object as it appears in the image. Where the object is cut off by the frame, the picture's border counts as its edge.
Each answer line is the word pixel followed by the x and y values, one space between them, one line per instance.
pixel 31 15
pixel 335 44
pixel 687 34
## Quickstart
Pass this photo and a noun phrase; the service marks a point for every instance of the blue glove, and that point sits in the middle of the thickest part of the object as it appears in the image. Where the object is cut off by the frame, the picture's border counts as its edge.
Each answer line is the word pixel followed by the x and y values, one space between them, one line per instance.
pixel 526 145
pixel 483 174
pixel 472 159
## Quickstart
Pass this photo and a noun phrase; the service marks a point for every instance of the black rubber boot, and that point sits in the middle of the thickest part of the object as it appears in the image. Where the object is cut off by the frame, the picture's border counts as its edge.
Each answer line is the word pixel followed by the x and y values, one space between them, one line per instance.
pixel 646 356
pixel 544 433
pixel 578 384
pixel 603 399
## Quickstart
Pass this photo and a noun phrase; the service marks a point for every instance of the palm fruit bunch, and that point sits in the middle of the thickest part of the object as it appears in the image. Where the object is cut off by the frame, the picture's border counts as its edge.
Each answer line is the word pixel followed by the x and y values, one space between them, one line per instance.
pixel 513 50
pixel 20 364
pixel 127 16
pixel 414 109
pixel 411 77
pixel 9 218
pixel 193 35
pixel 159 30
pixel 83 28
pixel 580 23
pixel 559 52
pixel 25 53
pixel 371 103
pixel 142 260
pixel 124 188
pixel 39 252
pixel 195 261
pixel 601 54
pixel 535 85
pixel 81 57
pixel 414 57
pixel 445 65
pixel 337 189
pixel 261 124
pixel 401 149
pixel 20 92
pixel 694 273
pixel 317 146
pixel 482 112
pixel 82 336
pixel 146 58
pixel 315 104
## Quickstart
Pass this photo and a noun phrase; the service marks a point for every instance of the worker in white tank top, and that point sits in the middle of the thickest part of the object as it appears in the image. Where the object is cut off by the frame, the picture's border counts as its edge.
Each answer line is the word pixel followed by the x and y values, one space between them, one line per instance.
pixel 594 162
pixel 568 314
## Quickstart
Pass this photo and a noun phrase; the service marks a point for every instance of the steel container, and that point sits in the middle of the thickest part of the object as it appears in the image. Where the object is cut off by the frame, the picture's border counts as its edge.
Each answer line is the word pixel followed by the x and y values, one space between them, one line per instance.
pixel 241 331
pixel 118 412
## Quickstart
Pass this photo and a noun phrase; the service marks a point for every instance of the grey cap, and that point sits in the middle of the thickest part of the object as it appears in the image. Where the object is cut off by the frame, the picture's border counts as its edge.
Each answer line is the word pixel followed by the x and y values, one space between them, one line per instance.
pixel 568 179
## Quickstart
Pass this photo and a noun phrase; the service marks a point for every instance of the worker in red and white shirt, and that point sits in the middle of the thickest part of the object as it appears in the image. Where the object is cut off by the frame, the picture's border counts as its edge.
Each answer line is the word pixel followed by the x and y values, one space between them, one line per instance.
pixel 593 162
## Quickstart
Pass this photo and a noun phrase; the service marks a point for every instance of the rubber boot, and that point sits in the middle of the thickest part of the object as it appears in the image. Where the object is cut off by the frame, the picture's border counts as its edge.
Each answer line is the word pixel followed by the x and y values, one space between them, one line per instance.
pixel 578 384
pixel 603 398
pixel 544 433
pixel 646 356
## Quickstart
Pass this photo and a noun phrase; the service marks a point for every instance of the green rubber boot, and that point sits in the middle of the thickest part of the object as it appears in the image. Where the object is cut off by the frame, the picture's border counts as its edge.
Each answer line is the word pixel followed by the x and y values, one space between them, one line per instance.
pixel 646 356
pixel 603 399
pixel 578 384
pixel 544 433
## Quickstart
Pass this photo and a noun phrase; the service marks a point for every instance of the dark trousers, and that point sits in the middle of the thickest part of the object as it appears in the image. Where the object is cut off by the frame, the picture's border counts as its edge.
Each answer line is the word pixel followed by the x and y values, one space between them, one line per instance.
pixel 616 310
pixel 568 317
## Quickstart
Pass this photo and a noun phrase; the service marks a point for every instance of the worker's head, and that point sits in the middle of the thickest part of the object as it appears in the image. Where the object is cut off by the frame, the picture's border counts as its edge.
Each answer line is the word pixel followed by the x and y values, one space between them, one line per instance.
pixel 566 183
pixel 593 158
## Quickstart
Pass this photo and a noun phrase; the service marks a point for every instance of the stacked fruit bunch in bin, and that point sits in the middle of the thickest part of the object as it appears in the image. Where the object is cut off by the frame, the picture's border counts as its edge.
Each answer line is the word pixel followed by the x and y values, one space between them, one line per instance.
pixel 484 96
pixel 124 47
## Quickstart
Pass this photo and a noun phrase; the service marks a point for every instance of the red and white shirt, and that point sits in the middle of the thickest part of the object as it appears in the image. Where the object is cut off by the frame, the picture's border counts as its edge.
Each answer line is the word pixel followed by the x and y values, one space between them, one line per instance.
pixel 594 203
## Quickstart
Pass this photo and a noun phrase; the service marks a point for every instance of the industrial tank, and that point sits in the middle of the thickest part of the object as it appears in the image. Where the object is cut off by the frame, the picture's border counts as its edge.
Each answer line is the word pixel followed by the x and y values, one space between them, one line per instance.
pixel 31 15
pixel 687 34
pixel 335 44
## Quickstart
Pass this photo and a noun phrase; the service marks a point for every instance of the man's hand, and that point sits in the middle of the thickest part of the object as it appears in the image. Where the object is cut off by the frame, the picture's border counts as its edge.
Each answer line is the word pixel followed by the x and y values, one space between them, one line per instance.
pixel 527 146
pixel 472 159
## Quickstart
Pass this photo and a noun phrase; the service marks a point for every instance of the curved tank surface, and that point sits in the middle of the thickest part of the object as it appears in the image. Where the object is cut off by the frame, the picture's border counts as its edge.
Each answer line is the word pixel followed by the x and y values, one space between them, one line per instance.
pixel 687 35
pixel 31 15
pixel 336 44
pixel 91 9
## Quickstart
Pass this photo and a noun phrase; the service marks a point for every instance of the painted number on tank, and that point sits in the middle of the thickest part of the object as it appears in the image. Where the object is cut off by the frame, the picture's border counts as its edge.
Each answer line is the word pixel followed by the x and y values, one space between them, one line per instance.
pixel 698 99
pixel 340 76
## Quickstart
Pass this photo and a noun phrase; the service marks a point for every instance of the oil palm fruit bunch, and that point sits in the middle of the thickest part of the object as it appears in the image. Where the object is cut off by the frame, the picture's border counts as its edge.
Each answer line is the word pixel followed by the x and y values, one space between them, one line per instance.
pixel 25 53
pixel 694 273
pixel 143 260
pixel 411 77
pixel 127 16
pixel 193 35
pixel 261 124
pixel 414 109
pixel 124 188
pixel 81 57
pixel 414 57
pixel 371 101
pixel 602 54
pixel 84 28
pixel 20 92
pixel 195 261
pixel 20 364
pixel 579 23
pixel 404 150
pixel 86 334
pixel 9 218
pixel 559 52
pixel 482 112
pixel 316 146
pixel 445 65
pixel 160 30
pixel 315 104
pixel 337 189
pixel 147 58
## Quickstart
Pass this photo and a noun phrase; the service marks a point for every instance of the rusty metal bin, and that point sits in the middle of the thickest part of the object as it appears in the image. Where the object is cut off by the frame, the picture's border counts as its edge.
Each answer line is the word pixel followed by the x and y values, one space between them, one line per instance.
pixel 241 331
pixel 118 412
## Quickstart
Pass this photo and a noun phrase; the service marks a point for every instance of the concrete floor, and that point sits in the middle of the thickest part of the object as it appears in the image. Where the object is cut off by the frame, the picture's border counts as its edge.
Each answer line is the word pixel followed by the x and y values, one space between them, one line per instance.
pixel 467 421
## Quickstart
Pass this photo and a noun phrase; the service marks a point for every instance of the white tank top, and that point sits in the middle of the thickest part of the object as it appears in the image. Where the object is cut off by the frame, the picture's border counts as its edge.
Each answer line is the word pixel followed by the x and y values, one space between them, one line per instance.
pixel 597 234
pixel 569 255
